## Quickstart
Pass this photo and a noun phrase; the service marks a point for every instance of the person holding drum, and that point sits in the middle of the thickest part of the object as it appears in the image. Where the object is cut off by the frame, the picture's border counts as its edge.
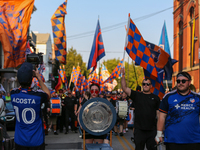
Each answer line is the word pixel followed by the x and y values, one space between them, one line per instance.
pixel 146 110
pixel 89 139
pixel 122 111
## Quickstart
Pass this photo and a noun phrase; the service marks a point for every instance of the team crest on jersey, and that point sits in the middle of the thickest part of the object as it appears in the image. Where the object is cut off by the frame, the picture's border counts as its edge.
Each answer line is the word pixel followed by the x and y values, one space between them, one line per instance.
pixel 175 100
pixel 192 100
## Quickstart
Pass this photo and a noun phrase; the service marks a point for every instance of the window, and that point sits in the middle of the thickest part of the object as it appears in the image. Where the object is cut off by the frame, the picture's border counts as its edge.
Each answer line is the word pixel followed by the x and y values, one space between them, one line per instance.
pixel 192 49
pixel 180 46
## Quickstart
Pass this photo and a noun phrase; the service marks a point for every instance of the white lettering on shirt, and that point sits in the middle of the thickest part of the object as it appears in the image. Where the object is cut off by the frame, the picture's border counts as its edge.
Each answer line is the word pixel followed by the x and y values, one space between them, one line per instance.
pixel 24 101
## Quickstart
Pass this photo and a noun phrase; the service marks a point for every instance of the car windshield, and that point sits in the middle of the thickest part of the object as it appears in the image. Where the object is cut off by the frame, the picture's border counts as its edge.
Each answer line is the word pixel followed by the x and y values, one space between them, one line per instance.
pixel 9 106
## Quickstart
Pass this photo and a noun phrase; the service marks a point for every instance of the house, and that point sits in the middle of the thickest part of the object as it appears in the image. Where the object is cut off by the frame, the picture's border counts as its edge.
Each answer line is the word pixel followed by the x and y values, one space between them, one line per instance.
pixel 43 45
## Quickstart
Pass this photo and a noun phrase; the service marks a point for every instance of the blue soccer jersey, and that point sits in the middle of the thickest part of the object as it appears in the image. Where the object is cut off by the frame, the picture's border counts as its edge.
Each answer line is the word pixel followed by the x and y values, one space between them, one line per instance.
pixel 29 130
pixel 182 121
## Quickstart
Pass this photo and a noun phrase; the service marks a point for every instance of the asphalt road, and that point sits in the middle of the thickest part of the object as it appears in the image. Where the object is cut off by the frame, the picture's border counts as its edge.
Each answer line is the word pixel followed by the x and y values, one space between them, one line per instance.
pixel 72 141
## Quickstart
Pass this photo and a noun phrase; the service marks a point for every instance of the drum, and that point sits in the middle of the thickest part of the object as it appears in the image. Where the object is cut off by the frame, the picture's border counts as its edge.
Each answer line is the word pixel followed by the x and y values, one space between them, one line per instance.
pixel 55 106
pixel 97 116
pixel 122 109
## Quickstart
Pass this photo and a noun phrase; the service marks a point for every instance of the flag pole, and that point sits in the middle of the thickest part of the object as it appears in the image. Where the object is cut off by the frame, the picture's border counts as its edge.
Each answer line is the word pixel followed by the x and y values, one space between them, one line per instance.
pixel 70 79
pixel 126 40
pixel 135 73
pixel 99 72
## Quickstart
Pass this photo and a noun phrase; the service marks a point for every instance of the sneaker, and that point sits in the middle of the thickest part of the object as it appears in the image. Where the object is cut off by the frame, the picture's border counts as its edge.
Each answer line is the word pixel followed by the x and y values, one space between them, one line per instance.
pixel 75 131
pixel 132 139
pixel 126 129
pixel 66 132
pixel 49 130
pixel 116 134
pixel 121 134
pixel 55 133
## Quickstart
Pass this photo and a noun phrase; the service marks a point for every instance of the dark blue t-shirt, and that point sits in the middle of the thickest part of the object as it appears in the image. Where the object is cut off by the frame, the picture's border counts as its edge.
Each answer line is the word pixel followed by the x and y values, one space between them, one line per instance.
pixel 182 121
pixel 29 130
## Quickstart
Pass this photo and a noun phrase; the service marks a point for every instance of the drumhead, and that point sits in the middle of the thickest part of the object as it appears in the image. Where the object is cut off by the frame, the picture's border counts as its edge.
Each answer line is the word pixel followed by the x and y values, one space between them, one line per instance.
pixel 97 116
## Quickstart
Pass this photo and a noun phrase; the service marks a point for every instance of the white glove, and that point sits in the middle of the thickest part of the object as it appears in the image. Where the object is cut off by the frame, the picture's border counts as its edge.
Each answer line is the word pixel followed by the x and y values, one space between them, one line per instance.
pixel 159 134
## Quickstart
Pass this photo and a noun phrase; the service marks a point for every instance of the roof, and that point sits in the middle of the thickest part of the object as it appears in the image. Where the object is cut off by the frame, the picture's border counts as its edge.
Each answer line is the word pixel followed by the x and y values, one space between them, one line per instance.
pixel 42 38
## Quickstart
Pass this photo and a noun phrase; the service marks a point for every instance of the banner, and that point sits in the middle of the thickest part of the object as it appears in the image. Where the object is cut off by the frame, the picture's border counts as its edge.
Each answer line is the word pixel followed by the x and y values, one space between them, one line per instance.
pixel 14 23
pixel 59 33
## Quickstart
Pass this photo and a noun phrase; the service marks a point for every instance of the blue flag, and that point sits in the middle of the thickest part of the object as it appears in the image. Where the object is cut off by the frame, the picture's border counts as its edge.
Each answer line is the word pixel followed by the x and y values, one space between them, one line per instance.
pixel 164 43
pixel 97 51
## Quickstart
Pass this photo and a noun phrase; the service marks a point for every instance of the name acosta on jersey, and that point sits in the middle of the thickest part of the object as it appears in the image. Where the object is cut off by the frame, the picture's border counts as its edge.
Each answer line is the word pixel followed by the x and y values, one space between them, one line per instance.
pixel 24 100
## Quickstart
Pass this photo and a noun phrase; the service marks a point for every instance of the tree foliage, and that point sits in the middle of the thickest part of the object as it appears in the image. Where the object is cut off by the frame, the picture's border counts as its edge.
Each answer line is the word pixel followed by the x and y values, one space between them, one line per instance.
pixel 133 74
pixel 74 59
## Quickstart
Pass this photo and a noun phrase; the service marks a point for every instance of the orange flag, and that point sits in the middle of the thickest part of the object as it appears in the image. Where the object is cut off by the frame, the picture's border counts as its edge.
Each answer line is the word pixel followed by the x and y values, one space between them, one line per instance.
pixel 14 19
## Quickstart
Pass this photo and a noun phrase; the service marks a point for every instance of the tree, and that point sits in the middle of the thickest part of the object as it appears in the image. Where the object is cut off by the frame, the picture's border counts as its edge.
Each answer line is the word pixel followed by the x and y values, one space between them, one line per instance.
pixel 135 75
pixel 73 59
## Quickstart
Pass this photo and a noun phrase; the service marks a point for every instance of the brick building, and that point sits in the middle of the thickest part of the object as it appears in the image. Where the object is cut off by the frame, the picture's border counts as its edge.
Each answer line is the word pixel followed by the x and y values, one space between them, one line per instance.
pixel 186 40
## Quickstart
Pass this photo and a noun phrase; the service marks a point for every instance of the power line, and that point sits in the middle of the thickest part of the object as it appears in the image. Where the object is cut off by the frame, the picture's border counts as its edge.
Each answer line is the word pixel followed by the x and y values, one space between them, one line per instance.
pixel 115 26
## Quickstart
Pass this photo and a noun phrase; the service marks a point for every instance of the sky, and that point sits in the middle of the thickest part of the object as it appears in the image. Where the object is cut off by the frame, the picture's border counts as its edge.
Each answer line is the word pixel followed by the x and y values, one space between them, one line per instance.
pixel 82 16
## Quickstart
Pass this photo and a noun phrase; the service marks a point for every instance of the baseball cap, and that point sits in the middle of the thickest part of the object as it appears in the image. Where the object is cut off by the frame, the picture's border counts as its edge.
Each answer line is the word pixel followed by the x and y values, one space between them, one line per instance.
pixel 25 73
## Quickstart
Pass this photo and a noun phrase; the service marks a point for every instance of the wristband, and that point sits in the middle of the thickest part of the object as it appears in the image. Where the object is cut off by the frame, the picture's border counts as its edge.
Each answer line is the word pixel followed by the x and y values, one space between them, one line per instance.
pixel 159 134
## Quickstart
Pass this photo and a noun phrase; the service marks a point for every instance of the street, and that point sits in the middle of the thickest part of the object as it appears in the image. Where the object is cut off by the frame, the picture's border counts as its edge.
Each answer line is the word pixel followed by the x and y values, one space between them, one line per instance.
pixel 72 141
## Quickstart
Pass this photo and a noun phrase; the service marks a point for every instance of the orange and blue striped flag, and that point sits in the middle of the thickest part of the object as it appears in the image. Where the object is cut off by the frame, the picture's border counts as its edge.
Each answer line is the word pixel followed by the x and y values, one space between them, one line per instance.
pixel 59 33
pixel 157 83
pixel 162 60
pixel 62 75
pixel 116 73
pixel 102 84
pixel 85 84
pixel 74 75
pixel 137 49
pixel 95 77
pixel 79 82
pixel 14 22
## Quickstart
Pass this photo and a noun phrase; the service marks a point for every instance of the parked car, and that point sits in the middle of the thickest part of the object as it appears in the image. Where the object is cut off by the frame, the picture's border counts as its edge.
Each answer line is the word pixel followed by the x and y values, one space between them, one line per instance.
pixel 10 115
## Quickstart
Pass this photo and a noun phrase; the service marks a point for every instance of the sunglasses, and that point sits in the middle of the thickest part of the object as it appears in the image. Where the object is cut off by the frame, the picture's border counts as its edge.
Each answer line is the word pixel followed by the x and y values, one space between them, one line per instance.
pixel 183 81
pixel 146 84
pixel 94 91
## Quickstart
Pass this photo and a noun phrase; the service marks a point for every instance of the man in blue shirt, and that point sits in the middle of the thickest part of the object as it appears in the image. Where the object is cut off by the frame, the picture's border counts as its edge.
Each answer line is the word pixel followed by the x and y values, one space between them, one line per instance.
pixel 179 112
pixel 29 130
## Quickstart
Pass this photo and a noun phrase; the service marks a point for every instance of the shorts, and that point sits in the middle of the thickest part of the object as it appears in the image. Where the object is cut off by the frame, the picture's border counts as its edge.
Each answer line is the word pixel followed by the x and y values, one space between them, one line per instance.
pixel 52 119
pixel 119 120
pixel 19 147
